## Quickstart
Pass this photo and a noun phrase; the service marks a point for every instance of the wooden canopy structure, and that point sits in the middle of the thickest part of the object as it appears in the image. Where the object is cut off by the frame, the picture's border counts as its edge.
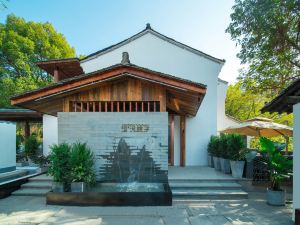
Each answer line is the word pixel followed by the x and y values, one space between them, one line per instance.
pixel 123 87
pixel 118 83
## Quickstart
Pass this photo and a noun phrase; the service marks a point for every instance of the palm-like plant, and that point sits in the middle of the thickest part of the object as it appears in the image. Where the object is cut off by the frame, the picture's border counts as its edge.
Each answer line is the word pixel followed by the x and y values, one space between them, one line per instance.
pixel 82 161
pixel 60 166
pixel 280 167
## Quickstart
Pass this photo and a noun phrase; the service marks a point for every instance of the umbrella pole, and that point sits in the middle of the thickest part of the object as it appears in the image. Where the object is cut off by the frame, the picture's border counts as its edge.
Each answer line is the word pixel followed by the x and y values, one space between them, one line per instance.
pixel 287 145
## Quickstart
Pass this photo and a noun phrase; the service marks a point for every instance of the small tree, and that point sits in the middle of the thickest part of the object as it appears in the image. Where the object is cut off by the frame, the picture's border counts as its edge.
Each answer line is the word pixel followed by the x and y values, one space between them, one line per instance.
pixel 280 167
pixel 60 166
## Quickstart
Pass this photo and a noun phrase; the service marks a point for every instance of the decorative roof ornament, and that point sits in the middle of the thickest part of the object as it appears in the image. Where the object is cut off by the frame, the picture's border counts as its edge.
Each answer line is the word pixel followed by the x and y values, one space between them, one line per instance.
pixel 125 58
pixel 148 26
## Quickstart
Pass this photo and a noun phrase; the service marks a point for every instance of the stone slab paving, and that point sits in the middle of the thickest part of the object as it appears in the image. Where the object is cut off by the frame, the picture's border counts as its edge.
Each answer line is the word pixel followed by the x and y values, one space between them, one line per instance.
pixel 252 211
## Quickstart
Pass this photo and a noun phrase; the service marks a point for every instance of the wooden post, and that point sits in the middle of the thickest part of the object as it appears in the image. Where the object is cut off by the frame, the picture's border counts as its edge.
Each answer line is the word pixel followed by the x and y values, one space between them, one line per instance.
pixel 171 144
pixel 56 75
pixel 27 129
pixel 182 140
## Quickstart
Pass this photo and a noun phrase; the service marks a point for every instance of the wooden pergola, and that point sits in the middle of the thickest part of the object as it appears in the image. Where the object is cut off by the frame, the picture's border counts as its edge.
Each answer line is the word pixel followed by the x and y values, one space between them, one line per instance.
pixel 21 115
pixel 120 88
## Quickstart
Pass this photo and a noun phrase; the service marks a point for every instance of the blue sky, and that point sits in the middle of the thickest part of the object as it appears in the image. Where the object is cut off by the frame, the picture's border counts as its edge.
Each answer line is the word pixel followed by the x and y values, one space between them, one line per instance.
pixel 90 25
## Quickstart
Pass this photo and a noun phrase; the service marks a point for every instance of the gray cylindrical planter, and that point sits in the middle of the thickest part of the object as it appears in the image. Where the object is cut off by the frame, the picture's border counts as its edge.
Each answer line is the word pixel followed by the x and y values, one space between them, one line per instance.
pixel 57 187
pixel 210 160
pixel 78 187
pixel 237 168
pixel 225 165
pixel 276 198
pixel 217 164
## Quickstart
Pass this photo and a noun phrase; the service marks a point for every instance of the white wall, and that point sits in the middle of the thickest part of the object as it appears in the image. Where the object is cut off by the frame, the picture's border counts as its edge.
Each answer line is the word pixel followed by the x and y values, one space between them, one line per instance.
pixel 154 53
pixel 296 152
pixel 50 135
pixel 7 146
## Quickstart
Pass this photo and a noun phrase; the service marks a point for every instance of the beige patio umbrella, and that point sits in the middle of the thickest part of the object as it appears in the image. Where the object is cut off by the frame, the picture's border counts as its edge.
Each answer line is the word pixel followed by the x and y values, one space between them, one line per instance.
pixel 260 127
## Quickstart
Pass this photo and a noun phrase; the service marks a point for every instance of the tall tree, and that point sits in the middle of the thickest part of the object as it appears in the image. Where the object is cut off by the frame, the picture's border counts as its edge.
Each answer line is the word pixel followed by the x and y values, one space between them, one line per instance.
pixel 244 104
pixel 22 44
pixel 268 33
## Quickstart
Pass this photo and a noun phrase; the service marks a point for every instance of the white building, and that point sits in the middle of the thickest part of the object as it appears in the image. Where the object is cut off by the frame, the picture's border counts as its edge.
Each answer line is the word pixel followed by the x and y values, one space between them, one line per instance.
pixel 152 50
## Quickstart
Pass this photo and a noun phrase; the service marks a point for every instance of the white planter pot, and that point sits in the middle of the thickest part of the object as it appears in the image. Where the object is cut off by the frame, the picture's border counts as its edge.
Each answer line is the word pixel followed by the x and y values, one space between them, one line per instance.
pixel 225 165
pixel 237 168
pixel 217 164
pixel 210 160
pixel 57 187
pixel 276 198
pixel 78 187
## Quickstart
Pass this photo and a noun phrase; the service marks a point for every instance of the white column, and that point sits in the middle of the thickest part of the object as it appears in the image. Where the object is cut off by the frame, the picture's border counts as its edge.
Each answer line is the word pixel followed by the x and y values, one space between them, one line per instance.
pixel 50 135
pixel 296 163
pixel 7 146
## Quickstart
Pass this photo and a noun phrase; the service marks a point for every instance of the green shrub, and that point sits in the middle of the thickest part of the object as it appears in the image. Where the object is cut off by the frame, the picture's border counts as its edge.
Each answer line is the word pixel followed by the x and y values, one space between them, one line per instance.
pixel 223 146
pixel 280 167
pixel 236 148
pixel 60 166
pixel 213 146
pixel 32 147
pixel 82 163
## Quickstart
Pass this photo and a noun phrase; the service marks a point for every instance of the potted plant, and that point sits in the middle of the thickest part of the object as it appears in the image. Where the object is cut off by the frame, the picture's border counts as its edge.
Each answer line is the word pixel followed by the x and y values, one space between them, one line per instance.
pixel 224 157
pixel 60 166
pixel 280 168
pixel 216 152
pixel 82 162
pixel 236 154
pixel 210 152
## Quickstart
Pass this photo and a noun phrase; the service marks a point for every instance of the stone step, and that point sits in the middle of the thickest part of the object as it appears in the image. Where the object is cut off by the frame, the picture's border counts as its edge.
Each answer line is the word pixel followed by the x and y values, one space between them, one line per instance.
pixel 30 192
pixel 204 185
pixel 207 180
pixel 209 194
pixel 38 184
pixel 41 178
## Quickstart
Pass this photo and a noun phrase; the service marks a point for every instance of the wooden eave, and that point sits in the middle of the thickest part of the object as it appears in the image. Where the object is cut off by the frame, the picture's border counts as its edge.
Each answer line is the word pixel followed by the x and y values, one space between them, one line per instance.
pixel 285 100
pixel 188 94
pixel 66 67
pixel 19 116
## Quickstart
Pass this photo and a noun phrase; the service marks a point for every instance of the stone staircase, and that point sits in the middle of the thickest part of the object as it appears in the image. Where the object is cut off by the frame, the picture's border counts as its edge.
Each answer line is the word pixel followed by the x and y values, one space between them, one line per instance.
pixel 36 186
pixel 206 189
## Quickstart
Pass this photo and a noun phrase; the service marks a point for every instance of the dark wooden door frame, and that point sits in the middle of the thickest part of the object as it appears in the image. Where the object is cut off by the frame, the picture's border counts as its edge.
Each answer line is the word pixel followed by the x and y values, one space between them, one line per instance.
pixel 171 140
pixel 182 140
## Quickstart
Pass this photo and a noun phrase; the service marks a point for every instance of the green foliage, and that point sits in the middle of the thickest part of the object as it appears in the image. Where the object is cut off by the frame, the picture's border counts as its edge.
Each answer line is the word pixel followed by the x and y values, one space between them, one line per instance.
pixel 243 104
pixel 280 167
pixel 22 44
pixel 213 146
pixel 32 147
pixel 60 164
pixel 82 163
pixel 223 146
pixel 236 147
pixel 268 33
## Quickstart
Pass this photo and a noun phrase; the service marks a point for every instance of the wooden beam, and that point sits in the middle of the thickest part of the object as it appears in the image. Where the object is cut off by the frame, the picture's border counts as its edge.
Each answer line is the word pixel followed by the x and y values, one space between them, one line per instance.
pixel 182 140
pixel 27 130
pixel 293 99
pixel 56 75
pixel 171 144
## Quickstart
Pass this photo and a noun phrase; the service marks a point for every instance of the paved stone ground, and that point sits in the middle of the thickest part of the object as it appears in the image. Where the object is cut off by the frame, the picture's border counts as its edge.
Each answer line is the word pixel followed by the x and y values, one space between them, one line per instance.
pixel 33 210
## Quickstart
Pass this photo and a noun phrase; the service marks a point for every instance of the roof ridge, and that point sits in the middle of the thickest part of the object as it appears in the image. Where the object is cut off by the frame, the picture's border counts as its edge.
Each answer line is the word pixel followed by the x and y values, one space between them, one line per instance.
pixel 149 29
